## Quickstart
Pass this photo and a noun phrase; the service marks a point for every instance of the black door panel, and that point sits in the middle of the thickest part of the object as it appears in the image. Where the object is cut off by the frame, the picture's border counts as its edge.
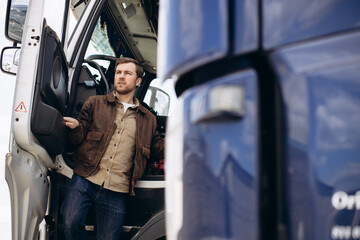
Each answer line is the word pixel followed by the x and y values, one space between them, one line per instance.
pixel 50 94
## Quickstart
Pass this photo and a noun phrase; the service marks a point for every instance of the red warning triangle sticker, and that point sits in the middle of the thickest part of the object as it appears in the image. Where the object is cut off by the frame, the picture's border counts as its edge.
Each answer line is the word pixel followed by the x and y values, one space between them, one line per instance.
pixel 21 108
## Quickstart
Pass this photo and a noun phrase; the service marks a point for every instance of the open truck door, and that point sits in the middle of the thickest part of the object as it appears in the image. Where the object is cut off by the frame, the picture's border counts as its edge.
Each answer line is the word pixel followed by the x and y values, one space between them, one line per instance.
pixel 38 134
pixel 37 131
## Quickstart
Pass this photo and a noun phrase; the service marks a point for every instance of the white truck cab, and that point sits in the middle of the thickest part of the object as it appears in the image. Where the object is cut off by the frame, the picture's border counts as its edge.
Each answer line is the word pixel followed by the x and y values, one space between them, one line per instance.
pixel 64 51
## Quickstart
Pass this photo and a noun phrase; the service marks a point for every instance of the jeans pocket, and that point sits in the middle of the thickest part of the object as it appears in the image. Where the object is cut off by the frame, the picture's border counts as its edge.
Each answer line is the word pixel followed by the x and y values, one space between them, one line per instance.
pixel 79 183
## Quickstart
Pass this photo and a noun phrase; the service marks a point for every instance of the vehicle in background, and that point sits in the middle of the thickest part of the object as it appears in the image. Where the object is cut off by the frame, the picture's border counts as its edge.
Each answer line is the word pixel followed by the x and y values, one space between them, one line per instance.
pixel 68 53
pixel 265 139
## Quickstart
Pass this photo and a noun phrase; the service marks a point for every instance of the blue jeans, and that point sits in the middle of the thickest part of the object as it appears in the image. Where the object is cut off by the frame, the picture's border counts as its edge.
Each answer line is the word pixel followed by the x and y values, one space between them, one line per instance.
pixel 109 208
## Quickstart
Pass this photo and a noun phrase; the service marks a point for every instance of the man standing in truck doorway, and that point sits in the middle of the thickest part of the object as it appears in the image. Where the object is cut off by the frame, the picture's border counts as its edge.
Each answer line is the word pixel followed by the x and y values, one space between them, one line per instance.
pixel 114 136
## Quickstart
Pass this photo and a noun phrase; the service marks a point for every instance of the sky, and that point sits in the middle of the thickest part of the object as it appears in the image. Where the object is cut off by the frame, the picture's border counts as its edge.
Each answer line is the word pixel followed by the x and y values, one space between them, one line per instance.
pixel 6 101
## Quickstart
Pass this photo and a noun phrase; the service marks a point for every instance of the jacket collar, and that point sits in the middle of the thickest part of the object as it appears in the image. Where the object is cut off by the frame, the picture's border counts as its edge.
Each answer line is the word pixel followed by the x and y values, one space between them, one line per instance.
pixel 141 108
pixel 111 99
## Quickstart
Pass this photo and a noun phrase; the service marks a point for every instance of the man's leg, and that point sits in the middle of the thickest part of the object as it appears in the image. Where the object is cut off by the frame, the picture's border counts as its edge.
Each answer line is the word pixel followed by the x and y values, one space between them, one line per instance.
pixel 76 204
pixel 109 214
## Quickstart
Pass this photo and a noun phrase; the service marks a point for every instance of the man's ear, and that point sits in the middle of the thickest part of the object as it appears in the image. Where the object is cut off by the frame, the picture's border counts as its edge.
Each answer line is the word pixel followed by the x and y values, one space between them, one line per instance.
pixel 138 81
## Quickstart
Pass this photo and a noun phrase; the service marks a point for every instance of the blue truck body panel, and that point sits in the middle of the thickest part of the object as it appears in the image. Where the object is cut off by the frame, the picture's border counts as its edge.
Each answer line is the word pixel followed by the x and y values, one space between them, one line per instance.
pixel 220 169
pixel 298 176
pixel 320 85
pixel 246 21
pixel 288 21
pixel 188 36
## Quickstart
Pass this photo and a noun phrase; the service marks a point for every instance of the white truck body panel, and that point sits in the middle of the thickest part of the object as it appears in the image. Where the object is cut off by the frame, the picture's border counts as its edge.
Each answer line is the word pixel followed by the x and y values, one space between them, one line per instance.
pixel 28 162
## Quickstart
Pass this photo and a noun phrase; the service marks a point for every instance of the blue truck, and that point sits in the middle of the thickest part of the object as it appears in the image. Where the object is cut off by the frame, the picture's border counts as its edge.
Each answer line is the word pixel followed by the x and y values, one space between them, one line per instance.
pixel 266 137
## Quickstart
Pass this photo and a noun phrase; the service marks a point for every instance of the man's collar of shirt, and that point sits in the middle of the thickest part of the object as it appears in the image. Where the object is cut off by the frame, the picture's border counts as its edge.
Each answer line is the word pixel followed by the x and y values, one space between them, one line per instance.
pixel 135 100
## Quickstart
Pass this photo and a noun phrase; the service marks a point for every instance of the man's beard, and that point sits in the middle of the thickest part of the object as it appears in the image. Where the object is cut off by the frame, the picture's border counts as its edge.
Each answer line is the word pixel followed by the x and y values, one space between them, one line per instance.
pixel 123 91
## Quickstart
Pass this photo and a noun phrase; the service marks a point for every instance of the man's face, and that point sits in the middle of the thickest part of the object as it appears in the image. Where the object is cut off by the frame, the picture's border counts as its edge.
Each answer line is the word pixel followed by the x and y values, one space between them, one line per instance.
pixel 125 79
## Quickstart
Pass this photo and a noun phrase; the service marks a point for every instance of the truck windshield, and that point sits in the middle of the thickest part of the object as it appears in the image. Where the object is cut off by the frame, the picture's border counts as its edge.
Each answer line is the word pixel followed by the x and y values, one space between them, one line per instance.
pixel 99 43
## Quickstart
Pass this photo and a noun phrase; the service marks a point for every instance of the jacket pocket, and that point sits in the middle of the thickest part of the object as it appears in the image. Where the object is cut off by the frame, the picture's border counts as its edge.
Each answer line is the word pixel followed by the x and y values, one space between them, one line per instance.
pixel 145 152
pixel 94 136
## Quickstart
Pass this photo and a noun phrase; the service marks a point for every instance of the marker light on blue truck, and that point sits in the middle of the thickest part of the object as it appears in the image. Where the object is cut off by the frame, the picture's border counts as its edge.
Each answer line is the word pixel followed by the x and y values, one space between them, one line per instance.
pixel 218 102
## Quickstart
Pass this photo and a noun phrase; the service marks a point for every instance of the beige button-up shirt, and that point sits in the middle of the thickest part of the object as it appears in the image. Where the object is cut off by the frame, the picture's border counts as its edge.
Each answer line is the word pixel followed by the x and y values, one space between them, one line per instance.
pixel 117 161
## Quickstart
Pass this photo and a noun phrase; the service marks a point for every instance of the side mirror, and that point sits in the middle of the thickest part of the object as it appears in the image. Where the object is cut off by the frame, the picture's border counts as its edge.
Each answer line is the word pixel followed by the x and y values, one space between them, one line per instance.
pixel 158 100
pixel 10 59
pixel 15 19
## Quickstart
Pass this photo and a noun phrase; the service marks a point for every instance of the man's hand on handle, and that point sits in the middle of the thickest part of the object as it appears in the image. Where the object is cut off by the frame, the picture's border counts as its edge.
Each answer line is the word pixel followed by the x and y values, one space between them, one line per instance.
pixel 71 122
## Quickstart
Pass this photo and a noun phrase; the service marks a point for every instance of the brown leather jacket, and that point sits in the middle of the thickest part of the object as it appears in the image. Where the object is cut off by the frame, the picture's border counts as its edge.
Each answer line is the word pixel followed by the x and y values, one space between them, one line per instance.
pixel 96 128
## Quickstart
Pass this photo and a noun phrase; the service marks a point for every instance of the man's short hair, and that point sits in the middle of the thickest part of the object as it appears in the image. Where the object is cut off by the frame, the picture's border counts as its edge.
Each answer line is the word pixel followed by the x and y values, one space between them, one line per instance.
pixel 139 68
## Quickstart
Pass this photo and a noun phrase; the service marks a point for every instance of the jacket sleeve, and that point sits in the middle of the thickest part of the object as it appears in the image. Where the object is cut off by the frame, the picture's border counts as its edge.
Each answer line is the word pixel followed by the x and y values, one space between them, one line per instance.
pixel 77 135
